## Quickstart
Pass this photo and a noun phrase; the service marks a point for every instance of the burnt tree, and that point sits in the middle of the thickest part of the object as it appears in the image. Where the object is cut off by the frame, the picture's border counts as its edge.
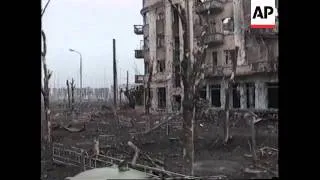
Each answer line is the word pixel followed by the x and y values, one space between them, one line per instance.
pixel 46 121
pixel 228 92
pixel 45 84
pixel 192 79
pixel 72 93
pixel 68 94
pixel 45 89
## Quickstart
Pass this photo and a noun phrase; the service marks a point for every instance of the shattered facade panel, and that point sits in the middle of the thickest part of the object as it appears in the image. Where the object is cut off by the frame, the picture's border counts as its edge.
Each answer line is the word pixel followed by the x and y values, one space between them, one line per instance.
pixel 257 57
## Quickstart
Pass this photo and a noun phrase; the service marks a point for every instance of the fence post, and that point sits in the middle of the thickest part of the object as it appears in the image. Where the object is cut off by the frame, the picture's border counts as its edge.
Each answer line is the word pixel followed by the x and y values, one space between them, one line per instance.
pixel 83 156
pixel 253 136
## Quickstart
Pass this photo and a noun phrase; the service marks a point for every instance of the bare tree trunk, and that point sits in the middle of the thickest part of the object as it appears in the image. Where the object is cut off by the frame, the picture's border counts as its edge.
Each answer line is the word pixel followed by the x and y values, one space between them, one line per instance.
pixel 228 94
pixel 68 94
pixel 46 125
pixel 253 136
pixel 227 113
pixel 45 90
pixel 136 152
pixel 192 78
pixel 188 105
pixel 47 121
pixel 72 94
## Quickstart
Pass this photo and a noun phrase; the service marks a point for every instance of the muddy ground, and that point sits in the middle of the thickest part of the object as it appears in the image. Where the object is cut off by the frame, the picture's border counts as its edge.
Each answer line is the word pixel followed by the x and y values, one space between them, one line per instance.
pixel 212 157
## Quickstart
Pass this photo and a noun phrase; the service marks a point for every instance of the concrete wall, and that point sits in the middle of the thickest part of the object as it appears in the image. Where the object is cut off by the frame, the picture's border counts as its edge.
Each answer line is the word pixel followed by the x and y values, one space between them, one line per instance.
pixel 261 91
pixel 162 79
pixel 261 94
pixel 229 39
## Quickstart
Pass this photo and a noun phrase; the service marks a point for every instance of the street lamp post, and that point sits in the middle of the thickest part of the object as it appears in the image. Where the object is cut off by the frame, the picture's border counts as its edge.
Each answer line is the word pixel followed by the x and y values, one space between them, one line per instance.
pixel 72 50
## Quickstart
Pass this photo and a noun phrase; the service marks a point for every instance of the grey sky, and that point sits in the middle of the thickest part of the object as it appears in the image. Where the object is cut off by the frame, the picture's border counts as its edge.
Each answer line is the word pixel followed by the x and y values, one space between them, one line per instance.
pixel 89 26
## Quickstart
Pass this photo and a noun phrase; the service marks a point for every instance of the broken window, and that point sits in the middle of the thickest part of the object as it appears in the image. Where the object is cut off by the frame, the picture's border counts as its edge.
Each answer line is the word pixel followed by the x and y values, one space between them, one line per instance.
pixel 177 103
pixel 160 41
pixel 177 80
pixel 161 65
pixel 215 58
pixel 236 96
pixel 146 68
pixel 146 43
pixel 175 15
pixel 250 95
pixel 162 98
pixel 273 95
pixel 176 51
pixel 215 95
pixel 176 42
pixel 212 27
pixel 160 16
pixel 145 18
pixel 175 23
pixel 227 25
pixel 229 56
pixel 203 93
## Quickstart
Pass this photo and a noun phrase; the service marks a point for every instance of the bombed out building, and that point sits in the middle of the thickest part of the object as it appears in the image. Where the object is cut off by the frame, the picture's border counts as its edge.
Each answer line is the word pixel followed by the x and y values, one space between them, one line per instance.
pixel 229 36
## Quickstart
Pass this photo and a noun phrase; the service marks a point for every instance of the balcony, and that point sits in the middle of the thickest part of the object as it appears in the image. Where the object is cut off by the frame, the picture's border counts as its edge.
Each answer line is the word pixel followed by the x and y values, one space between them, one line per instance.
pixel 264 66
pixel 214 39
pixel 146 30
pixel 249 69
pixel 138 53
pixel 213 6
pixel 139 79
pixel 138 29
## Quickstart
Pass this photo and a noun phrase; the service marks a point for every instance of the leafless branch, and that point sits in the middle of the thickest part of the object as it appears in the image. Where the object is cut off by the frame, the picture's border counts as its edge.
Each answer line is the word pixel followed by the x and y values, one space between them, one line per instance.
pixel 44 51
pixel 42 91
pixel 45 7
pixel 136 152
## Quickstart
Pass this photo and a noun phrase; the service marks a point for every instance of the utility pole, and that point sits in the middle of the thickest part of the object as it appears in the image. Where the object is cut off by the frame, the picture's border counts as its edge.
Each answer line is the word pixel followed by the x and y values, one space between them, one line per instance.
pixel 72 50
pixel 115 85
pixel 127 87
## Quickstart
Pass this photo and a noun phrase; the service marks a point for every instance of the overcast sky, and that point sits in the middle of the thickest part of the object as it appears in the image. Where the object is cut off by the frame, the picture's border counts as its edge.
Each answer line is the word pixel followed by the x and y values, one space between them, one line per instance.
pixel 89 26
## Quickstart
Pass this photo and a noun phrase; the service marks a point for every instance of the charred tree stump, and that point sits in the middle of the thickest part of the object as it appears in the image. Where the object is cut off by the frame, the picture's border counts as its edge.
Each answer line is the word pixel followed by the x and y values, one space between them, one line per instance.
pixel 68 94
pixel 228 93
pixel 72 94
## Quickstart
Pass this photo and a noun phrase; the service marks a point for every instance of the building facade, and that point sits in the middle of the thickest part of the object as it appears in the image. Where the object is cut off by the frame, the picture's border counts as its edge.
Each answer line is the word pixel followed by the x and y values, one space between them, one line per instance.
pixel 256 80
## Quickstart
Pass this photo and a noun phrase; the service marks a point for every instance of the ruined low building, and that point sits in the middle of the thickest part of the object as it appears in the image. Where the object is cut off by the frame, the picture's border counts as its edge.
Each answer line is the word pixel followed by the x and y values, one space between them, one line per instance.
pixel 88 94
pixel 256 80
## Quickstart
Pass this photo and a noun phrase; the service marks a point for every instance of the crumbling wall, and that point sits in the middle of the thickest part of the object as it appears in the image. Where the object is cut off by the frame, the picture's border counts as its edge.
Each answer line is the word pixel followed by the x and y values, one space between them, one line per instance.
pixel 229 39
pixel 215 117
pixel 163 79
pixel 257 49
pixel 260 90
pixel 152 50
pixel 261 94
pixel 148 3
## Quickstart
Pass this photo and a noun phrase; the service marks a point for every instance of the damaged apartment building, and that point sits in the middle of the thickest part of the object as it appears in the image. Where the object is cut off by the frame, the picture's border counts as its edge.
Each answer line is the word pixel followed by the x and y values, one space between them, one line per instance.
pixel 229 36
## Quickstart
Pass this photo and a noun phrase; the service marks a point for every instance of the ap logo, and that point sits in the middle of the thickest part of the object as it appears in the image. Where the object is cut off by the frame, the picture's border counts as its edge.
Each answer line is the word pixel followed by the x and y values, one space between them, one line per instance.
pixel 263 14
